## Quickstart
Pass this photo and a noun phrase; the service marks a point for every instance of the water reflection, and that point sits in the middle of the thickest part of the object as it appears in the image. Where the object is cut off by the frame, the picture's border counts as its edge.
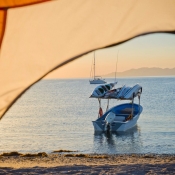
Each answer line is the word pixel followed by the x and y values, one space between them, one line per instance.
pixel 118 142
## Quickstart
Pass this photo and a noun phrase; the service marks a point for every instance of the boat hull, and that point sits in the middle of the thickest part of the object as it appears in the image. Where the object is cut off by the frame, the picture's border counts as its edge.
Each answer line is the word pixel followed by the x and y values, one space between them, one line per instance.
pixel 101 125
pixel 116 126
pixel 97 81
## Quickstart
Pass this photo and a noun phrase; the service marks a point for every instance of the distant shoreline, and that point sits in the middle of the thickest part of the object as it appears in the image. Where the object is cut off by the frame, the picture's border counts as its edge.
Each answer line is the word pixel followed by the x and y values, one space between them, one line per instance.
pixel 173 76
pixel 140 72
pixel 144 72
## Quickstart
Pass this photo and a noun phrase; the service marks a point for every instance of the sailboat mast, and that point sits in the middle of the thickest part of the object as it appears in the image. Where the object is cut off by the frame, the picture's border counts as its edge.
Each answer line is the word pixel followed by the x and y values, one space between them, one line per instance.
pixel 116 66
pixel 94 65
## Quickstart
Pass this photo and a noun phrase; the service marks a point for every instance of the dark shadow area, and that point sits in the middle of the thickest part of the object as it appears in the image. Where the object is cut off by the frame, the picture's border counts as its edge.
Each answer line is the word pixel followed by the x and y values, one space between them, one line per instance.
pixel 135 169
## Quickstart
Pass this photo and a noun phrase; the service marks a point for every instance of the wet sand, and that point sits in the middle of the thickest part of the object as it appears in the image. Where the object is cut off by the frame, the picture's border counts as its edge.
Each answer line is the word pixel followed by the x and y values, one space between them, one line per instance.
pixel 68 163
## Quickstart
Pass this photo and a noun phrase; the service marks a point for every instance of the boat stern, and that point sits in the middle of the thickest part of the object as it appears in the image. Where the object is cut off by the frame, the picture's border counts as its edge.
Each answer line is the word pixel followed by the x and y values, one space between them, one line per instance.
pixel 98 125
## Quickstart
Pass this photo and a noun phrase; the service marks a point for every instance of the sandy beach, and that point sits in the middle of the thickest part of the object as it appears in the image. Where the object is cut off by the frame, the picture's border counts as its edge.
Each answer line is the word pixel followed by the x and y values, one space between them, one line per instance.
pixel 58 163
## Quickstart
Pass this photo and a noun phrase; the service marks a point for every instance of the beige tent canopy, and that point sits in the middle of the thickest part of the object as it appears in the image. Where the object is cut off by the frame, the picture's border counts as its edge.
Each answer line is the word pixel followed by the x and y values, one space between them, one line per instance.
pixel 40 36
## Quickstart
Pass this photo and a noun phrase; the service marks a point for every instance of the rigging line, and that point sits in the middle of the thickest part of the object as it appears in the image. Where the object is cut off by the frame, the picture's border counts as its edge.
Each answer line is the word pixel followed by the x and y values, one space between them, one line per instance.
pixel 116 65
pixel 94 64
pixel 91 69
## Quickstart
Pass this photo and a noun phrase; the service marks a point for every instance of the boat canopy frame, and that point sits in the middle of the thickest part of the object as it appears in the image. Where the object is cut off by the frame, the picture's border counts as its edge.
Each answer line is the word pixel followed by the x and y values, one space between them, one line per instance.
pixel 138 94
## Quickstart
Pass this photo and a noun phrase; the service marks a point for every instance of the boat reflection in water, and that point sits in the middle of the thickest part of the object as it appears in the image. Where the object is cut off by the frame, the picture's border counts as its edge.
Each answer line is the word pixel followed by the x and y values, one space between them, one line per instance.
pixel 118 142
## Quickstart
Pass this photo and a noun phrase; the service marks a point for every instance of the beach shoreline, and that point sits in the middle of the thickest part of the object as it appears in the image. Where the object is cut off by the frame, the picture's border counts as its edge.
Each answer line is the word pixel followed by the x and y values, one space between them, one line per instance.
pixel 68 163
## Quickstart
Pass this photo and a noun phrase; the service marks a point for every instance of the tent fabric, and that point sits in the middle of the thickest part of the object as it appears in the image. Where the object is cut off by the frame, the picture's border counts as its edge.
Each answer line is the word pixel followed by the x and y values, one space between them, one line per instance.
pixel 3 15
pixel 5 4
pixel 43 37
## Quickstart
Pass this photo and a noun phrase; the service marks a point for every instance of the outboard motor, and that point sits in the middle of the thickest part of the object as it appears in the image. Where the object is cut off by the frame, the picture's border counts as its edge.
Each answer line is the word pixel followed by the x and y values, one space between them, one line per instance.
pixel 109 119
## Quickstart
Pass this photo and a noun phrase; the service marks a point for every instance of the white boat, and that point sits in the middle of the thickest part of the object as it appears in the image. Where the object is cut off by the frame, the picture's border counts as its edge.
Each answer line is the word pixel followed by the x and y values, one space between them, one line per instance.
pixel 102 90
pixel 120 117
pixel 96 79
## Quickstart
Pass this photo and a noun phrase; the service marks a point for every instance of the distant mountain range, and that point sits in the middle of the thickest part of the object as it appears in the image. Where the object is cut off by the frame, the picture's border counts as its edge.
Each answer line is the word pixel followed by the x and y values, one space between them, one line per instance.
pixel 144 71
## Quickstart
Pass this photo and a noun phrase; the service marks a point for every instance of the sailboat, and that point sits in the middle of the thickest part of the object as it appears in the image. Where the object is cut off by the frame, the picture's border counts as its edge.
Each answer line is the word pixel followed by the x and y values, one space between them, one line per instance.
pixel 96 79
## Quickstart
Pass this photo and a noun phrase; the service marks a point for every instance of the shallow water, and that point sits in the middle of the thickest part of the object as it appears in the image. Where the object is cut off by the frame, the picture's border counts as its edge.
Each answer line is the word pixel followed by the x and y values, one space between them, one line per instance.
pixel 57 114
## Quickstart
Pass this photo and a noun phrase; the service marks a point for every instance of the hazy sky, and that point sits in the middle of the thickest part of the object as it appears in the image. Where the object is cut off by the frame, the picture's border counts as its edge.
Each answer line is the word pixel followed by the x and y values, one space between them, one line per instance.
pixel 153 50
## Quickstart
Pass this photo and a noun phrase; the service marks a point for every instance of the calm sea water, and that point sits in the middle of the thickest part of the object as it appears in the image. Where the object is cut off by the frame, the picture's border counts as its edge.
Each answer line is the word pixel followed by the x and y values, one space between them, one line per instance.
pixel 57 114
